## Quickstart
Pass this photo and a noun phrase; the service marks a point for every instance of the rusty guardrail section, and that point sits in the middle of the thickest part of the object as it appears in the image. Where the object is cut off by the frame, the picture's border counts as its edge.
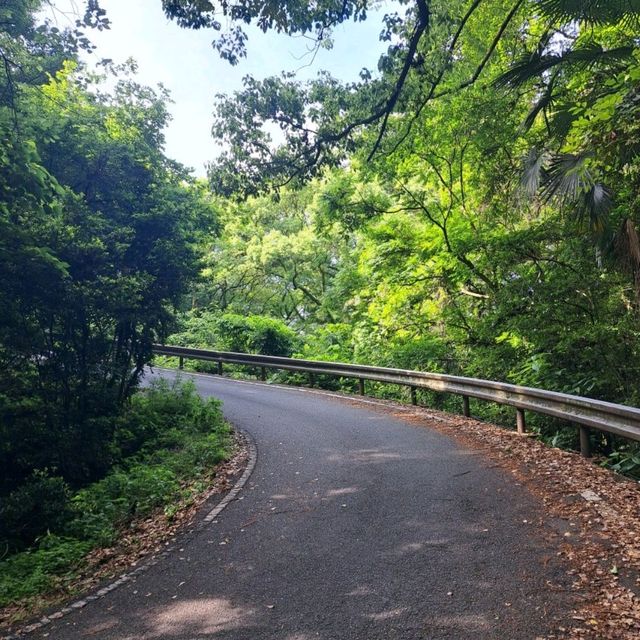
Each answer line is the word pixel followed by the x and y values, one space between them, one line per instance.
pixel 585 413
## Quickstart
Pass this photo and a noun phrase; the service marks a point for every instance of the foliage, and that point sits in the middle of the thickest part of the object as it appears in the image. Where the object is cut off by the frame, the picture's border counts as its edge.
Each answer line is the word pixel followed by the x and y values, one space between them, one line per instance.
pixel 49 566
pixel 289 17
pixel 38 506
pixel 98 242
pixel 322 121
pixel 626 460
pixel 169 437
pixel 494 235
pixel 270 261
pixel 233 332
pixel 437 48
pixel 97 239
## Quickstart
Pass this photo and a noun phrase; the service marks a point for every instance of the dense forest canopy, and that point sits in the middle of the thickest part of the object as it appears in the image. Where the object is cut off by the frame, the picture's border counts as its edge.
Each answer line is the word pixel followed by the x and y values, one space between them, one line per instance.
pixel 98 242
pixel 471 207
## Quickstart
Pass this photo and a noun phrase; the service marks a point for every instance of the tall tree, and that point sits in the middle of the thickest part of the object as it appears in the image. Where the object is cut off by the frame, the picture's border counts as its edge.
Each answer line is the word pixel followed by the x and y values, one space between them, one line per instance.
pixel 97 245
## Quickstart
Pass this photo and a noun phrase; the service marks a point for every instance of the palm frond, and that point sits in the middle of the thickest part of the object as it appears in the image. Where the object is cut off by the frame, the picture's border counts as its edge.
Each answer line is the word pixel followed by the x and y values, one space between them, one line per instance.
pixel 594 207
pixel 526 68
pixel 568 177
pixel 561 121
pixel 592 11
pixel 533 66
pixel 541 104
pixel 534 173
pixel 591 54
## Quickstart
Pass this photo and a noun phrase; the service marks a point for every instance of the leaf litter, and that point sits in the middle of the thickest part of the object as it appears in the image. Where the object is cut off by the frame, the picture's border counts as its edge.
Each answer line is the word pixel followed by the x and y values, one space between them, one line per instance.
pixel 601 549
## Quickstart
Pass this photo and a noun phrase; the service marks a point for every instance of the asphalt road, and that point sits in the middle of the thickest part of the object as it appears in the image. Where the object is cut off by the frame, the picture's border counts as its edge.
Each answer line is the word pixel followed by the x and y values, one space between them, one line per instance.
pixel 355 524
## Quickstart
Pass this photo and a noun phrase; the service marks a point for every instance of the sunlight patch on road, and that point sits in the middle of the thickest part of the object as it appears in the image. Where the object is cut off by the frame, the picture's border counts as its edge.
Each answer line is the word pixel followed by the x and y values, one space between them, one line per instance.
pixel 364 455
pixel 466 622
pixel 362 591
pixel 342 492
pixel 387 615
pixel 199 616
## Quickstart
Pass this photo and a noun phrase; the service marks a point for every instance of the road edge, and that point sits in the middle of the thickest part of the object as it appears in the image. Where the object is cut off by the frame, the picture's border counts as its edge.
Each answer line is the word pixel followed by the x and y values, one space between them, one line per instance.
pixel 199 524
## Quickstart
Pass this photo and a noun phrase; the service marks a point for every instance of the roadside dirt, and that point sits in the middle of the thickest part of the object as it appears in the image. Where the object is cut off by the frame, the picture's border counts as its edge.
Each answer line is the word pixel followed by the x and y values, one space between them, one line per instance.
pixel 593 513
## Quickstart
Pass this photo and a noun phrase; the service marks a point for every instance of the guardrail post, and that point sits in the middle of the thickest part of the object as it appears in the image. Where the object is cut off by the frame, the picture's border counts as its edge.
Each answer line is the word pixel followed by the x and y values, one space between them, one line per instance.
pixel 312 379
pixel 521 424
pixel 585 443
pixel 466 410
pixel 219 367
pixel 263 374
pixel 181 362
pixel 361 386
pixel 414 397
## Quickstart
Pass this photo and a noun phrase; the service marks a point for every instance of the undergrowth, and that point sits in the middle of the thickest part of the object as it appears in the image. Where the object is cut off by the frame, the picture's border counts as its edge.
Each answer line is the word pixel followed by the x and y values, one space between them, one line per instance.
pixel 169 441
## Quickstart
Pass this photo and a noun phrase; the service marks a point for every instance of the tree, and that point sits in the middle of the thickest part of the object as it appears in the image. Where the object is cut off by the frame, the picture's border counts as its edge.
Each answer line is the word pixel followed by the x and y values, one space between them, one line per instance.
pixel 487 222
pixel 580 77
pixel 98 233
pixel 322 120
pixel 269 260
pixel 282 17
pixel 434 51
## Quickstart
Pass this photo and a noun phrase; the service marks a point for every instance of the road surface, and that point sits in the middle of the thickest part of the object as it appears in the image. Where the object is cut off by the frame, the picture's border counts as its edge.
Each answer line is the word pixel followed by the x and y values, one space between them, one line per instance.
pixel 354 525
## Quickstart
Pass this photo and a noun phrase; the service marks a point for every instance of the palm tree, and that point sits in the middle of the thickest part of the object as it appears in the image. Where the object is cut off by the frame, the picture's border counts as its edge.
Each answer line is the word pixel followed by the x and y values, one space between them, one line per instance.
pixel 577 45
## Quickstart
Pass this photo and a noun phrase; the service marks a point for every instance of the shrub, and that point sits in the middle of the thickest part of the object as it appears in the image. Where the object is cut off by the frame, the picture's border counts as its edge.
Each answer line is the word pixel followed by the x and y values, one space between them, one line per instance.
pixel 233 332
pixel 38 570
pixel 330 342
pixel 170 436
pixel 41 504
pixel 161 416
pixel 120 496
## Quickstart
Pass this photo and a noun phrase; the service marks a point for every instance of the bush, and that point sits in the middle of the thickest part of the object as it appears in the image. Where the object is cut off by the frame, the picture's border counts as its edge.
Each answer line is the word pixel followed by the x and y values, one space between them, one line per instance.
pixel 170 437
pixel 232 332
pixel 162 415
pixel 121 496
pixel 38 506
pixel 625 459
pixel 331 342
pixel 40 570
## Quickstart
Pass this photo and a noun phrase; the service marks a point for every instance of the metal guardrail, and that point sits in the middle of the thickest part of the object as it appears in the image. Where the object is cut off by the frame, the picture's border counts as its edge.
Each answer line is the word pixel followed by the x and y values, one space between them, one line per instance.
pixel 585 413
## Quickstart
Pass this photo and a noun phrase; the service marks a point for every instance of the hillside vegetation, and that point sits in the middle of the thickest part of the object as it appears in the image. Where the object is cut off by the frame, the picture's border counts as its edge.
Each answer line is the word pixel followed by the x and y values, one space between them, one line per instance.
pixel 491 232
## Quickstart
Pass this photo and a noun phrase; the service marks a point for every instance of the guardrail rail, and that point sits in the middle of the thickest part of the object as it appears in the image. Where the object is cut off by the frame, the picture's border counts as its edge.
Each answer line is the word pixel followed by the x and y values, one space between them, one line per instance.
pixel 585 413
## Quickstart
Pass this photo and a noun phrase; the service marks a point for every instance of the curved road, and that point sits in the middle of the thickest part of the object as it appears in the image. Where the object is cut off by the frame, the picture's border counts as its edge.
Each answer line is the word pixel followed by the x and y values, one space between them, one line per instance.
pixel 354 524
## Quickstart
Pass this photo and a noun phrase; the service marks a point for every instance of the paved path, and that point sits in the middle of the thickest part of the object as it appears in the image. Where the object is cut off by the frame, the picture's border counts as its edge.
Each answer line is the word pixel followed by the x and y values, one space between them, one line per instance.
pixel 356 525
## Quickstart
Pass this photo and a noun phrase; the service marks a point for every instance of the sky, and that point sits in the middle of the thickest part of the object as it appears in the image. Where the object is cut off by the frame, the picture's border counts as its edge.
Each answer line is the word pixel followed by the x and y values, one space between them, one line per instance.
pixel 184 62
